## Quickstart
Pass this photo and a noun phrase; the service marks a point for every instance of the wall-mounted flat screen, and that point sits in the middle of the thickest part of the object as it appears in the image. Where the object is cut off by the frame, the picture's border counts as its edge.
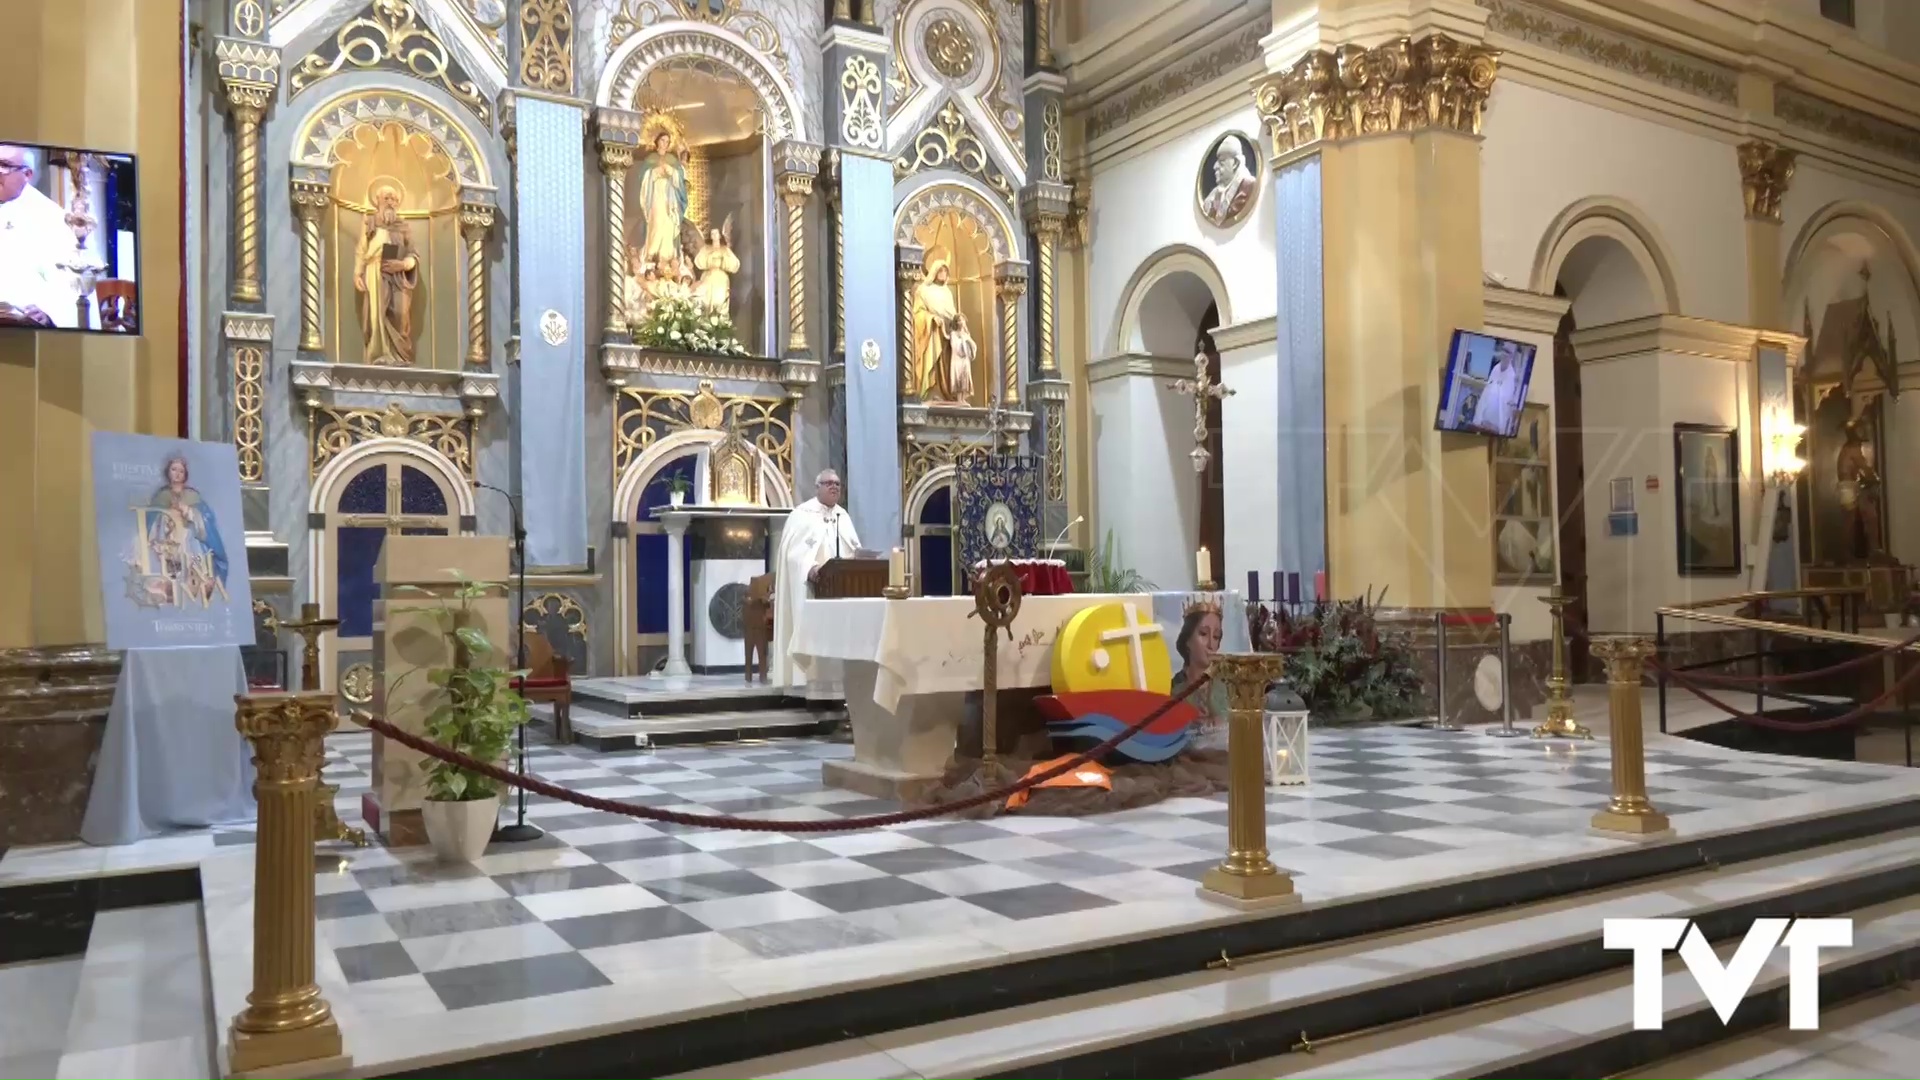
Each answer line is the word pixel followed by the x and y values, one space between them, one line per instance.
pixel 69 240
pixel 1484 385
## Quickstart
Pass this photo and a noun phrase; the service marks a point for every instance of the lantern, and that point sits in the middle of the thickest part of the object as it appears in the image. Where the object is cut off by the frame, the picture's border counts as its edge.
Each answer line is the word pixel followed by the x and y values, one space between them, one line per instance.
pixel 1285 720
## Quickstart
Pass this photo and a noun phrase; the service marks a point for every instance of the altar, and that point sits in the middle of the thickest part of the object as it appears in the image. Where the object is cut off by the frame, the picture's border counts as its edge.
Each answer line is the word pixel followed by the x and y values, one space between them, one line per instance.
pixel 911 663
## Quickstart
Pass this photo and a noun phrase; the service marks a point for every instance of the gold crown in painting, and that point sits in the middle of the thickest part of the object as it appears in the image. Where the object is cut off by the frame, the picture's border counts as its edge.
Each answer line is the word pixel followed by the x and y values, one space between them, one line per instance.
pixel 1201 604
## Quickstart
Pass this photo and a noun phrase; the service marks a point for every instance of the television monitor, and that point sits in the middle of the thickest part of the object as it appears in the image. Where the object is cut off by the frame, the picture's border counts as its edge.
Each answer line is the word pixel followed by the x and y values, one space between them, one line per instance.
pixel 69 239
pixel 1484 385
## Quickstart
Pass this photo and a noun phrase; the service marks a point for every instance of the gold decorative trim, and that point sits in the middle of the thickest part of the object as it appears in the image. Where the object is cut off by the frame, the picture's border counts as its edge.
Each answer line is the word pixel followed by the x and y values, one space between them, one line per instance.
pixel 1056 478
pixel 246 326
pixel 934 198
pixel 249 74
pixel 924 457
pixel 476 220
pixel 389 36
pixel 310 199
pixel 546 45
pixel 1196 70
pixel 1011 284
pixel 1435 83
pixel 1765 172
pixel 617 361
pixel 335 431
pixel 556 605
pixel 861 104
pixel 643 416
pixel 950 143
pixel 948 47
pixel 615 160
pixel 356 684
pixel 249 399
pixel 1613 50
pixel 1846 124
pixel 632 16
pixel 326 130
pixel 798 164
pixel 911 270
pixel 1051 166
pixel 1043 37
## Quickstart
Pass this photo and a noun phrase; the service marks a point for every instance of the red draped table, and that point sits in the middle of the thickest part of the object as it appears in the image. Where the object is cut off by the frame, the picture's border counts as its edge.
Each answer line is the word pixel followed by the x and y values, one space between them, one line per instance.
pixel 1038 577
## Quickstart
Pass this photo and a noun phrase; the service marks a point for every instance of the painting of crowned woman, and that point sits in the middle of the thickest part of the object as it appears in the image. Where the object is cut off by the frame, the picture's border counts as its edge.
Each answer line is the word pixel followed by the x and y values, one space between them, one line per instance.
pixel 172 552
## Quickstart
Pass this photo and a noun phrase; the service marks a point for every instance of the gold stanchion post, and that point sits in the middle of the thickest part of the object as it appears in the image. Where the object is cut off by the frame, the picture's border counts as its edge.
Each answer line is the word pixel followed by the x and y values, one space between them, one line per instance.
pixel 326 820
pixel 1629 813
pixel 286 1021
pixel 1559 723
pixel 1248 878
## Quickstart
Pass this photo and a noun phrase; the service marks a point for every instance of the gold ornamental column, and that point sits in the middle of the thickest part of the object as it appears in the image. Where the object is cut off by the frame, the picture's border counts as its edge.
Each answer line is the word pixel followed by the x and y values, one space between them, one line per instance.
pixel 616 159
pixel 476 220
pixel 1248 877
pixel 910 262
pixel 1046 204
pixel 1395 129
pixel 837 275
pixel 1629 813
pixel 796 164
pixel 286 1021
pixel 1010 283
pixel 1766 171
pixel 249 73
pixel 311 192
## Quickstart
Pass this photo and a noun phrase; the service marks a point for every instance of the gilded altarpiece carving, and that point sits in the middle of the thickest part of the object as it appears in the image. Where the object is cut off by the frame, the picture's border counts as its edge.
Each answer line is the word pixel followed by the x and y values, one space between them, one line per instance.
pixel 643 416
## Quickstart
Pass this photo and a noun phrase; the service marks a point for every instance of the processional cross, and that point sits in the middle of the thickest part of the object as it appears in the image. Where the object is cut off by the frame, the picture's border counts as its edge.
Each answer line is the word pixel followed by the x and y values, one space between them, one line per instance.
pixel 998 425
pixel 1204 391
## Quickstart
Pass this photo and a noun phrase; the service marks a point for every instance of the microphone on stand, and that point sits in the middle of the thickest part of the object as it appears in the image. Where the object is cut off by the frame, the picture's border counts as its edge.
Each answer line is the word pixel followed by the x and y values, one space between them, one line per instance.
pixel 520 831
pixel 1055 546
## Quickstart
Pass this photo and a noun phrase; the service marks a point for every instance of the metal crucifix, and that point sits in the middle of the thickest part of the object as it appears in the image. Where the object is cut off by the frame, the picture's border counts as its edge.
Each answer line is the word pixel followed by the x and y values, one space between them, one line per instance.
pixel 1203 390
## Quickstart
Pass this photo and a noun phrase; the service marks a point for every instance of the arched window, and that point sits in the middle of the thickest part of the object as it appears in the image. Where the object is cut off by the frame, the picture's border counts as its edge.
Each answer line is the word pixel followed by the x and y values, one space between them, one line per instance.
pixel 937 554
pixel 650 560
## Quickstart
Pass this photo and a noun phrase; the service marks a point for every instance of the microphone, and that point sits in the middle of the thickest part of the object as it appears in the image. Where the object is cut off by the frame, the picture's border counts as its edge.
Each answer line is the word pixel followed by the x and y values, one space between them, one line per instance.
pixel 1055 546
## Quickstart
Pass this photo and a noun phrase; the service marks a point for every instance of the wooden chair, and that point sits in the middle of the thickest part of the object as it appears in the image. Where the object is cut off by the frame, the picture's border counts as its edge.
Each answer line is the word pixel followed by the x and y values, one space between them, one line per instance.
pixel 119 305
pixel 549 680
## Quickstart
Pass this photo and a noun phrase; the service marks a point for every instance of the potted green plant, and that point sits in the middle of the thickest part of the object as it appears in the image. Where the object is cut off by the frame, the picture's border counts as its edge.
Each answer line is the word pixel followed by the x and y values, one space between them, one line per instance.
pixel 475 711
pixel 1106 574
pixel 677 487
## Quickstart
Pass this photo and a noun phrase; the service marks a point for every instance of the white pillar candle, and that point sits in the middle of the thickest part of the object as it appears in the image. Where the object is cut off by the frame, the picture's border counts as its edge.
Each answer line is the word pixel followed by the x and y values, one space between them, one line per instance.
pixel 1203 566
pixel 897 568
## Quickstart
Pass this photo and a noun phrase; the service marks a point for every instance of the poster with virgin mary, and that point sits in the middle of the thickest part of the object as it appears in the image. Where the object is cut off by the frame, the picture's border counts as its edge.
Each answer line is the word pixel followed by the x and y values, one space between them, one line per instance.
pixel 172 552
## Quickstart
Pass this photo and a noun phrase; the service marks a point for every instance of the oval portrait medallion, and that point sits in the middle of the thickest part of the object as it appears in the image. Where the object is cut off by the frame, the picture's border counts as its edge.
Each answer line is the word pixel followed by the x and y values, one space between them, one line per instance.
pixel 1229 182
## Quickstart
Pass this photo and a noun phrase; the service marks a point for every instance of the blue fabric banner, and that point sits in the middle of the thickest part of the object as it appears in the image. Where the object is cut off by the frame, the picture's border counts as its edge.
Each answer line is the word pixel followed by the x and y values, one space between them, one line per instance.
pixel 550 223
pixel 873 366
pixel 1301 345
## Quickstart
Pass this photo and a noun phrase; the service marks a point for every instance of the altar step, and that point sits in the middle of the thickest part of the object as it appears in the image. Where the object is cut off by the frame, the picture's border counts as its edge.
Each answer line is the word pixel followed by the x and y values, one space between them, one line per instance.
pixel 607 733
pixel 1525 992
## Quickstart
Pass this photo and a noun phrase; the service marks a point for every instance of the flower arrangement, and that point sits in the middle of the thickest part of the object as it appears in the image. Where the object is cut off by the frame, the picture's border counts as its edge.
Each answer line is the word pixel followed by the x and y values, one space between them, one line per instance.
pixel 1341 662
pixel 674 324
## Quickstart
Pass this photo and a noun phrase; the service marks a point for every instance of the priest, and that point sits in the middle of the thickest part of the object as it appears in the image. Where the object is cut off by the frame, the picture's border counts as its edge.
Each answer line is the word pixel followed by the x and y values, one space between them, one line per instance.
pixel 817 530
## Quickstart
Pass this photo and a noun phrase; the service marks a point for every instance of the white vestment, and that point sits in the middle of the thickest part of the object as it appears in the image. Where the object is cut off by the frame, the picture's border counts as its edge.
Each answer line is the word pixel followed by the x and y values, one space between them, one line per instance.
pixel 34 237
pixel 1494 411
pixel 813 534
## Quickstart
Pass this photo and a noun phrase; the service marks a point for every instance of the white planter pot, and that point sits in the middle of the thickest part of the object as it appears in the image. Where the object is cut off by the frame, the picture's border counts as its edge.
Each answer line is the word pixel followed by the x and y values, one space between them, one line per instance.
pixel 676 498
pixel 459 831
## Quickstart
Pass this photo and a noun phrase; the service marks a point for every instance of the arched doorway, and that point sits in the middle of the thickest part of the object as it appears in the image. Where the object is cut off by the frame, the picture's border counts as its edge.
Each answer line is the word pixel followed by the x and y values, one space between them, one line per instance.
pixel 650 569
pixel 362 502
pixel 936 552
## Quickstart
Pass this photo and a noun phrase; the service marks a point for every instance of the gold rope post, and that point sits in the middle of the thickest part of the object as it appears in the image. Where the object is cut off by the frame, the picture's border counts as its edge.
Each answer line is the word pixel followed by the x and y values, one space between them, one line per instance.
pixel 615 160
pixel 1559 723
pixel 1248 877
pixel 286 1021
pixel 475 220
pixel 1629 813
pixel 327 825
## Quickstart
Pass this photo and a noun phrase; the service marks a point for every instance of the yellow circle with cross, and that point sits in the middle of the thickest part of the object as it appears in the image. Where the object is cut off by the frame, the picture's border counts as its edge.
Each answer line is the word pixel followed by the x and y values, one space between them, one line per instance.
pixel 1112 646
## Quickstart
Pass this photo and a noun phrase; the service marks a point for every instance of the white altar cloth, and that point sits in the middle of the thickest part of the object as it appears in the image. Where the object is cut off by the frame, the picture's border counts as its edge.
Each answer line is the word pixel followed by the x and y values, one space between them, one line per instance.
pixel 931 645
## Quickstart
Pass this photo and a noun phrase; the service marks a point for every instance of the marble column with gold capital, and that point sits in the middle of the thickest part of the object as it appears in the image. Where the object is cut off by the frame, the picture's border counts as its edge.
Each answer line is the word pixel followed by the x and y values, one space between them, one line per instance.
pixel 910 268
pixel 477 209
pixel 796 165
pixel 310 191
pixel 1378 149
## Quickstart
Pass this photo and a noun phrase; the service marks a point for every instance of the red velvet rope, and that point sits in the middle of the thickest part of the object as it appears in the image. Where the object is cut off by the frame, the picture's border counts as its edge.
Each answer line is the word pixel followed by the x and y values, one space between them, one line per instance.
pixel 674 817
pixel 1788 725
pixel 1735 682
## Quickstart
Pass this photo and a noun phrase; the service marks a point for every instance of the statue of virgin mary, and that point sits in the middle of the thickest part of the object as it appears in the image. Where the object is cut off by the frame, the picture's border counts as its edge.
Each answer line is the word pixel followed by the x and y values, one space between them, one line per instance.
pixel 663 204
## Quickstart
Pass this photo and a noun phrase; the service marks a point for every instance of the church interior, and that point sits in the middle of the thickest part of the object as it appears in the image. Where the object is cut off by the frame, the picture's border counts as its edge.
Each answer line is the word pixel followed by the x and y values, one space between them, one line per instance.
pixel 937 538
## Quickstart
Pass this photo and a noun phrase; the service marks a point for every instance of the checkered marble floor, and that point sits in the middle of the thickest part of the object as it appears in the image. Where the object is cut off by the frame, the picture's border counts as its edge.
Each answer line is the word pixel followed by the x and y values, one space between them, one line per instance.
pixel 605 900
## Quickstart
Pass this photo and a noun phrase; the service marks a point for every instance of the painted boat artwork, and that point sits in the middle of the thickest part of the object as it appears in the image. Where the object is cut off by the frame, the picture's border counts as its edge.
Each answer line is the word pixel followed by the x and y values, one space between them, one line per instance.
pixel 1081 721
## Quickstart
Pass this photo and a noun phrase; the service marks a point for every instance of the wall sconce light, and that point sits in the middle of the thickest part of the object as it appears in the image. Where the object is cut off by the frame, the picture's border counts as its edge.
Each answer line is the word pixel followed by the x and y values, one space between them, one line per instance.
pixel 1781 458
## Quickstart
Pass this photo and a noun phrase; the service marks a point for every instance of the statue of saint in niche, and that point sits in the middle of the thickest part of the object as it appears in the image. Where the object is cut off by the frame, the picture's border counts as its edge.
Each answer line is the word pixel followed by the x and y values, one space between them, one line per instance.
pixel 386 273
pixel 717 264
pixel 936 315
pixel 663 205
pixel 1859 490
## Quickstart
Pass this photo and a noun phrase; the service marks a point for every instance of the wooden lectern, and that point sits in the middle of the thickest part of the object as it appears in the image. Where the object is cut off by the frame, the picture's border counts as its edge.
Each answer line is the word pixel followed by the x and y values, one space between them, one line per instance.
pixel 850 579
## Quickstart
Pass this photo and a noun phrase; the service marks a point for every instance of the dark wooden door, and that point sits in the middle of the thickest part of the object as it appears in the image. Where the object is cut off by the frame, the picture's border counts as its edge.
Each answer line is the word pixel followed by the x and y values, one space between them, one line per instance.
pixel 1213 513
pixel 1571 482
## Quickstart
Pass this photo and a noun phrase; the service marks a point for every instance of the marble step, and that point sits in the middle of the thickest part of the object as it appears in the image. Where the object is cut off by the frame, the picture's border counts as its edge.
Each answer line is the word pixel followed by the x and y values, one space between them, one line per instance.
pixel 1875 1036
pixel 1205 1019
pixel 1584 1027
pixel 604 732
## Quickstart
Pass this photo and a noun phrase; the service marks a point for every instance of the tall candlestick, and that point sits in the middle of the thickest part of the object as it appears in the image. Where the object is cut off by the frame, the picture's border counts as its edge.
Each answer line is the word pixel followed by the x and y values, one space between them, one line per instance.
pixel 1320 585
pixel 1279 587
pixel 1253 586
pixel 1293 587
pixel 1203 567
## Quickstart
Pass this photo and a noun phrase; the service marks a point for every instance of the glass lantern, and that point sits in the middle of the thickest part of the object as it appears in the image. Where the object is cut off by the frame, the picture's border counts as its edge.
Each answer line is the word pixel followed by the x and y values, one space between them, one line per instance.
pixel 1285 722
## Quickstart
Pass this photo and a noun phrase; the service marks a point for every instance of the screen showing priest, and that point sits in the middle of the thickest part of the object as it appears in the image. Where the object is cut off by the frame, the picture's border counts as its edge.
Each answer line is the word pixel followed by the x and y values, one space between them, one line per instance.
pixel 67 240
pixel 817 531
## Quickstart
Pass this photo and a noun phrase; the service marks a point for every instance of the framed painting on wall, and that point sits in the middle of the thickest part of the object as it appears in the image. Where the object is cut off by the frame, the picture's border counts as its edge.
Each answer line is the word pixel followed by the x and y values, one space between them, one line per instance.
pixel 1524 539
pixel 1706 494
